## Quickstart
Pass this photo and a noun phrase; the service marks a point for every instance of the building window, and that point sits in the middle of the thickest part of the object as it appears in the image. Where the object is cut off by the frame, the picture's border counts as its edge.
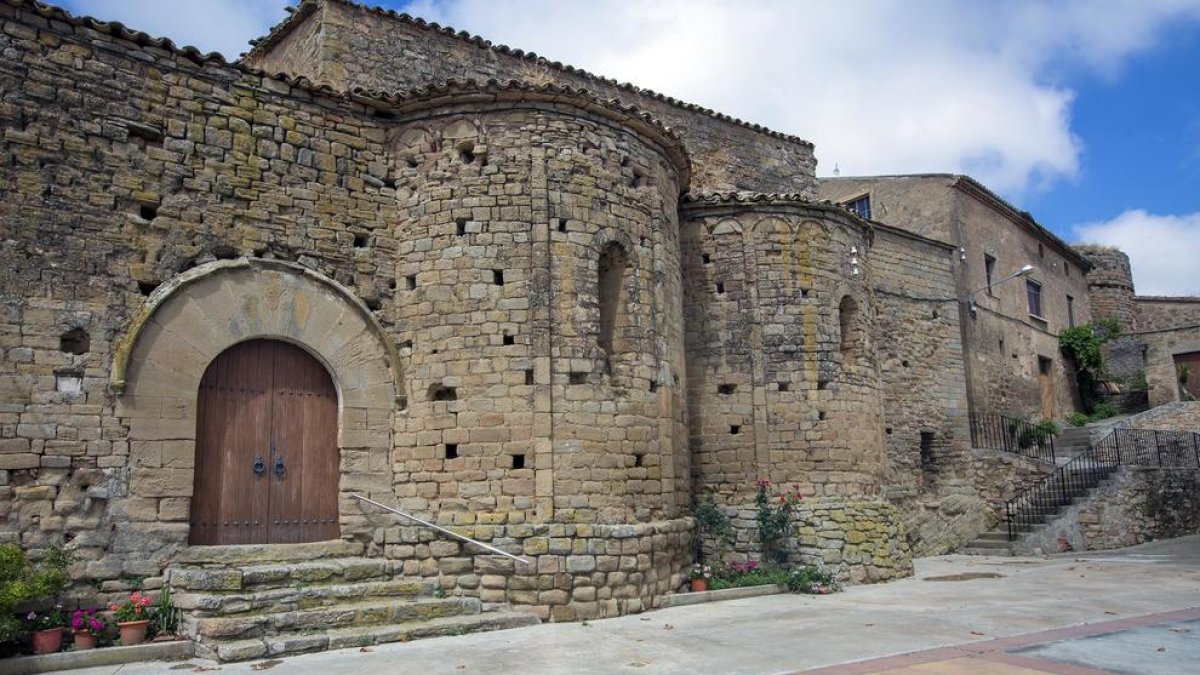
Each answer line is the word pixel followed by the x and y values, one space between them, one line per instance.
pixel 989 270
pixel 613 263
pixel 861 206
pixel 1070 312
pixel 1034 290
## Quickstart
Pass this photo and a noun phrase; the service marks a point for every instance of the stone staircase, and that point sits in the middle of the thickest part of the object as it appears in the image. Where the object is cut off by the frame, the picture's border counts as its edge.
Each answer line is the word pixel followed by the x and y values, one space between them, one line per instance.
pixel 1041 511
pixel 1070 443
pixel 248 602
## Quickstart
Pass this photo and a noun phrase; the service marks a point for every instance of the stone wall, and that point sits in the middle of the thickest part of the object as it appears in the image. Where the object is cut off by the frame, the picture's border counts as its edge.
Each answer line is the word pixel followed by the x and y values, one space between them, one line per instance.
pixel 381 50
pixel 859 541
pixel 1167 327
pixel 1135 506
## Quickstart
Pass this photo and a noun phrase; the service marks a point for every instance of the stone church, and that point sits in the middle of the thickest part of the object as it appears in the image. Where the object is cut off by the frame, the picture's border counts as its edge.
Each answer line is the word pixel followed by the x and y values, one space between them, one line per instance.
pixel 377 258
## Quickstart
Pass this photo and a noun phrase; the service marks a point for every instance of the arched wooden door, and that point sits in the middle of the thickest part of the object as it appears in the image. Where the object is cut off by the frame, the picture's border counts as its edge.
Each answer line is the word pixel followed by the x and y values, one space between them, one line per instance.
pixel 266 448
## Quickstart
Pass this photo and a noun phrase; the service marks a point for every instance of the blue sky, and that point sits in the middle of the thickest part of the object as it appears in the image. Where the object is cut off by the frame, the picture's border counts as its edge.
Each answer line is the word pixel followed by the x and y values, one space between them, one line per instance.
pixel 1086 113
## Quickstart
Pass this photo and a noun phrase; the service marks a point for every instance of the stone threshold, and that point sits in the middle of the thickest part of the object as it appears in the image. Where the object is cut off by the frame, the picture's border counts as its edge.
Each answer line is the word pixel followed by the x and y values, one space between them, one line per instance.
pixel 176 650
pixel 684 599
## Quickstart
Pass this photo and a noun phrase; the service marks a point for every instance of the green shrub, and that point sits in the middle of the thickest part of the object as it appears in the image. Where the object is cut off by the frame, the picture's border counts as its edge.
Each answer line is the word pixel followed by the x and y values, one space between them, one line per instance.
pixel 809 579
pixel 1078 419
pixel 1102 411
pixel 22 582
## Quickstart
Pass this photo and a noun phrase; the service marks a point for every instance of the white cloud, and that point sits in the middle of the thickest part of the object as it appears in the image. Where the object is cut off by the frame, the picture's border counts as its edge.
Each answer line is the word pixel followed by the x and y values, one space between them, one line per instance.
pixel 224 26
pixel 880 86
pixel 1164 251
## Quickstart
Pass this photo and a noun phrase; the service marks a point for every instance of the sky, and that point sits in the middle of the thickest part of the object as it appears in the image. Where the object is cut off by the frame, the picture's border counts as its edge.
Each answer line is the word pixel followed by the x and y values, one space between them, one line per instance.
pixel 1084 112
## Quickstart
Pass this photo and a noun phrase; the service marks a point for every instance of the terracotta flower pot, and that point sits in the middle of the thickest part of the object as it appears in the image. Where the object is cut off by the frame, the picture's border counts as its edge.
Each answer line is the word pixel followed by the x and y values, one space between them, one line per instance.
pixel 699 585
pixel 47 641
pixel 84 640
pixel 133 632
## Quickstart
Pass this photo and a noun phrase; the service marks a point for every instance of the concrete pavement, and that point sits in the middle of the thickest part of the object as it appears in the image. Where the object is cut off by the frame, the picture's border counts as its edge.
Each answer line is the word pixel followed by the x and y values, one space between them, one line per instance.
pixel 959 602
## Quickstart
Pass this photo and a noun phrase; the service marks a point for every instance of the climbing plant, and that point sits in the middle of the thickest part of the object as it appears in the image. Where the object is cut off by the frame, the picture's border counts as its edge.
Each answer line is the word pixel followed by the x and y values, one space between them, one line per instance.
pixel 1083 345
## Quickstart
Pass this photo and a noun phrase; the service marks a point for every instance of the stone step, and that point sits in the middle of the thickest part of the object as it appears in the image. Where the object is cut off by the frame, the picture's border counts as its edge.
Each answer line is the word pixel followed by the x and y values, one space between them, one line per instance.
pixel 345 615
pixel 297 598
pixel 279 575
pixel 994 535
pixel 975 550
pixel 256 554
pixel 342 638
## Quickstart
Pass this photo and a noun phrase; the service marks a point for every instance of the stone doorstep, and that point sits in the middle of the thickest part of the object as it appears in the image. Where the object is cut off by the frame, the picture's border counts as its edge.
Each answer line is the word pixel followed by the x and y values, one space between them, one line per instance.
pixel 343 638
pixel 264 554
pixel 682 599
pixel 238 578
pixel 298 598
pixel 103 656
pixel 336 616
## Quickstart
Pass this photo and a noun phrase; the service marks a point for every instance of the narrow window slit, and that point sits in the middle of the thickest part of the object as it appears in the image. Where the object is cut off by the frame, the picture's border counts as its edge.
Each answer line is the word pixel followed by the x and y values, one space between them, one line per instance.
pixel 518 461
pixel 451 451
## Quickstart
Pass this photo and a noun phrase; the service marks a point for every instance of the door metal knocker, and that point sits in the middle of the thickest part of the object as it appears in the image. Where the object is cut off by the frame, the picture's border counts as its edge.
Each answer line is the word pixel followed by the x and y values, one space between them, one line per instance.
pixel 260 467
pixel 279 470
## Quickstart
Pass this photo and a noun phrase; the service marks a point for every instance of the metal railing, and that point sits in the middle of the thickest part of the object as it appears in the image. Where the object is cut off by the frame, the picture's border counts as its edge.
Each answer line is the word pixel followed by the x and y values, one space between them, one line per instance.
pixel 1009 434
pixel 441 529
pixel 1121 447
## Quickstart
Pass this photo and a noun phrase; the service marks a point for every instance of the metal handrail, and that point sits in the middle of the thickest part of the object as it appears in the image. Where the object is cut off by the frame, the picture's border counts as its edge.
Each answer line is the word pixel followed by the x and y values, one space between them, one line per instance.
pixel 1010 434
pixel 443 530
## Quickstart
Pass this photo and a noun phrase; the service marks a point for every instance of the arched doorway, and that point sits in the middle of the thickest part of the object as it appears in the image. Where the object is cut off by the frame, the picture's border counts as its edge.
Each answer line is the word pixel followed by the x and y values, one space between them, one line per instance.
pixel 267 465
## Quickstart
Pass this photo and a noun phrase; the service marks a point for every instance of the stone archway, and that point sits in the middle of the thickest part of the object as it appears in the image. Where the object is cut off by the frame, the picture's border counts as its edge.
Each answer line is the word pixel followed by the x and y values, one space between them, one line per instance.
pixel 196 316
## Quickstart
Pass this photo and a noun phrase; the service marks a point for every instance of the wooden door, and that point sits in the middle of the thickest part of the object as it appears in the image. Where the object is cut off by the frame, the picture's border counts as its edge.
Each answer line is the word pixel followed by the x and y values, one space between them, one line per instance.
pixel 266 448
pixel 1187 374
pixel 1046 381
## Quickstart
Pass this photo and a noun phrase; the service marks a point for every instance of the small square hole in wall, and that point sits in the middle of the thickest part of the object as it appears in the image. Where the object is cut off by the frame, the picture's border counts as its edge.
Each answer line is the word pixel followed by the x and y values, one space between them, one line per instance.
pixel 529 376
pixel 803 292
pixel 518 461
pixel 579 378
pixel 653 386
pixel 720 288
pixel 735 429
pixel 821 415
pixel 410 282
pixel 705 258
pixel 68 381
pixel 407 344
pixel 442 393
pixel 562 224
pixel 510 339
pixel 888 431
pixel 639 460
pixel 451 451
pixel 75 341
pixel 498 277
pixel 784 386
pixel 148 211
pixel 904 363
pixel 726 389
pixel 822 385
pixel 460 226
pixel 360 240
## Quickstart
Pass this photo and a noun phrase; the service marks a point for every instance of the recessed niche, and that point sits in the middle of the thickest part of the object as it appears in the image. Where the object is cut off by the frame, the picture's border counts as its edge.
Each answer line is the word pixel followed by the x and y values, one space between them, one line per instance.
pixel 510 339
pixel 440 392
pixel 784 386
pixel 726 389
pixel 411 162
pixel 705 258
pixel 720 287
pixel 888 431
pixel 735 429
pixel 822 385
pixel 821 415
pixel 407 344
pixel 529 376
pixel 639 460
pixel 75 341
pixel 638 179
pixel 803 292
pixel 148 211
pixel 451 451
pixel 410 282
pixel 466 152
pixel 68 381
pixel 460 226
pixel 578 378
pixel 147 287
pixel 518 461
pixel 361 240
pixel 498 277
pixel 653 386
pixel 904 363
pixel 562 224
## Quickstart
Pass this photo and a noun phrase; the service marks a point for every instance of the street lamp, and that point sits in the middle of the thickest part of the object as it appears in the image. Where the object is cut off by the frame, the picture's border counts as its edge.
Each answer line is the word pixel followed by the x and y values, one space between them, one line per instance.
pixel 1023 272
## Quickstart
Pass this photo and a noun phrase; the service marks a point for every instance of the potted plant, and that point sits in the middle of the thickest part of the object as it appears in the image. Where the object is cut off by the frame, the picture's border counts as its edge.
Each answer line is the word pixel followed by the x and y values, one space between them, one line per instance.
pixel 47 628
pixel 698 576
pixel 88 625
pixel 132 618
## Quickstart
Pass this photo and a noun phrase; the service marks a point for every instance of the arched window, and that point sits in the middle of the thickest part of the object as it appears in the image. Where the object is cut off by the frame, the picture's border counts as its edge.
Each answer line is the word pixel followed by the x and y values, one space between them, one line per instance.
pixel 611 289
pixel 851 329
